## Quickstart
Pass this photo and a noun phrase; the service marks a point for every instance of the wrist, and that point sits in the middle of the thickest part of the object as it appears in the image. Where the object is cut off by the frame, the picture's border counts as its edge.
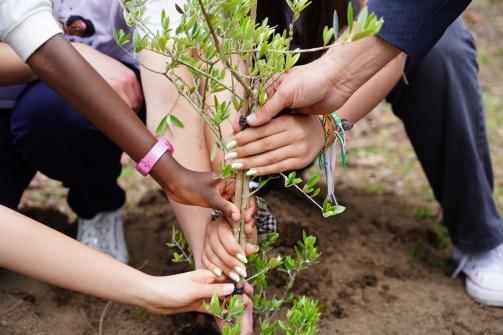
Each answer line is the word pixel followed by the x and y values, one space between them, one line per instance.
pixel 160 148
pixel 151 295
pixel 353 64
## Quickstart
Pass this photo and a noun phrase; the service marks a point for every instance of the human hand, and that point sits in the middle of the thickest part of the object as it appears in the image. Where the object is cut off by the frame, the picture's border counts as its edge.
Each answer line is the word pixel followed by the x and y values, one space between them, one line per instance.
pixel 184 292
pixel 204 189
pixel 288 142
pixel 325 84
pixel 318 87
pixel 122 79
pixel 222 254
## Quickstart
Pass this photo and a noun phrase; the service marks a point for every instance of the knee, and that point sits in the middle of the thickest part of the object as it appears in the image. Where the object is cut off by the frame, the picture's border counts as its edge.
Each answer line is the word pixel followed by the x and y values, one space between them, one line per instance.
pixel 40 114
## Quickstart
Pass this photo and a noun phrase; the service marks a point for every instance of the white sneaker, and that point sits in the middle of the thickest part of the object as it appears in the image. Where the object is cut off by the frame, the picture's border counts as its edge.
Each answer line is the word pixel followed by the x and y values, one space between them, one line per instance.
pixel 105 233
pixel 484 275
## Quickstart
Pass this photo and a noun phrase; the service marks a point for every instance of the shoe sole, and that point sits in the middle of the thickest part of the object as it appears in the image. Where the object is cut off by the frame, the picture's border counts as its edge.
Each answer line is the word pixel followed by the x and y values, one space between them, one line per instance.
pixel 483 295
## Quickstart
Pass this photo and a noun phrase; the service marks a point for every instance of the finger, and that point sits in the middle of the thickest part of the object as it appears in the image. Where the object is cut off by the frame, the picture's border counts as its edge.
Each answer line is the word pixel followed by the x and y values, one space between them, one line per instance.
pixel 229 209
pixel 276 103
pixel 208 290
pixel 231 266
pixel 138 95
pixel 284 165
pixel 251 249
pixel 127 99
pixel 248 288
pixel 236 126
pixel 250 229
pixel 247 318
pixel 277 156
pixel 263 145
pixel 217 270
pixel 252 209
pixel 253 134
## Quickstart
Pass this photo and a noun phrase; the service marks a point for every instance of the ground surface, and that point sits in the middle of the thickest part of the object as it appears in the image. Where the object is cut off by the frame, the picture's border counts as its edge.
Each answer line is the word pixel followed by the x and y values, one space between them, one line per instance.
pixel 385 265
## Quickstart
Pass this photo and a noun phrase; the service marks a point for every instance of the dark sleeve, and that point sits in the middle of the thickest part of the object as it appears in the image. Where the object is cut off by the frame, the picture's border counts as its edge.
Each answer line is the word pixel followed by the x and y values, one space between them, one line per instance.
pixel 414 26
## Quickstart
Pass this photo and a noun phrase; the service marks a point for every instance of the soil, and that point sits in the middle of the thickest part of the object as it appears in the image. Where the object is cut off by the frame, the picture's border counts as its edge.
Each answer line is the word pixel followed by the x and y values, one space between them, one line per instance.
pixel 385 267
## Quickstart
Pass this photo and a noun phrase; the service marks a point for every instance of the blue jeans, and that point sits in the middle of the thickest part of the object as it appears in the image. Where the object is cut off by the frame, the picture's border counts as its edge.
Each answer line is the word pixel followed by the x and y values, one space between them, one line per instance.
pixel 443 114
pixel 43 133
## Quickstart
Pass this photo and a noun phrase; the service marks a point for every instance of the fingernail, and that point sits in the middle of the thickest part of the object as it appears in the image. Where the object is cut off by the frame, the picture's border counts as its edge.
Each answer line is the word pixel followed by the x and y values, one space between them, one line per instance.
pixel 228 288
pixel 257 248
pixel 237 166
pixel 231 155
pixel 234 276
pixel 252 118
pixel 217 271
pixel 242 258
pixel 235 217
pixel 251 172
pixel 231 144
pixel 241 271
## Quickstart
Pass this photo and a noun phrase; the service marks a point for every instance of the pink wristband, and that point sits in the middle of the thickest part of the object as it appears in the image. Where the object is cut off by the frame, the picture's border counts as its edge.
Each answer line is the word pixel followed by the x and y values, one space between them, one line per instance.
pixel 146 164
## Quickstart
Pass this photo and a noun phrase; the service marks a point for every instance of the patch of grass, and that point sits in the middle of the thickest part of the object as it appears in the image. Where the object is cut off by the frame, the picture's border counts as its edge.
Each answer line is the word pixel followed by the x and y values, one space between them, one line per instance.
pixel 442 240
pixel 484 58
pixel 417 255
pixel 128 173
pixel 374 189
pixel 423 214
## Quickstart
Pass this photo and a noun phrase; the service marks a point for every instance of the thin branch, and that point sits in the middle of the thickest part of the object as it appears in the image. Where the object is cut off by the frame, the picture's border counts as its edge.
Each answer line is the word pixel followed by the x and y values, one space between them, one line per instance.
pixel 219 50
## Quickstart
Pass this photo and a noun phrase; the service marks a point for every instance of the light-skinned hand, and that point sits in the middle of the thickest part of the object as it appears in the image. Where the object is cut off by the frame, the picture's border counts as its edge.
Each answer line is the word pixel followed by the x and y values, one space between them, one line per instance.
pixel 287 142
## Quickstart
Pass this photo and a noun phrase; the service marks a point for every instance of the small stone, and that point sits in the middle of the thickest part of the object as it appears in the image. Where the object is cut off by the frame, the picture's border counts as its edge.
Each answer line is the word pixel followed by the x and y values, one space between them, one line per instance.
pixel 3 323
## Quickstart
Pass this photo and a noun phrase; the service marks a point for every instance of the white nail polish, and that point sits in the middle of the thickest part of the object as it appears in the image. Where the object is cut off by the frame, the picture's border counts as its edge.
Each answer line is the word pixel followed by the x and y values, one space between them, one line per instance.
pixel 251 172
pixel 228 288
pixel 234 276
pixel 231 155
pixel 231 144
pixel 242 258
pixel 241 271
pixel 237 166
pixel 217 271
pixel 251 118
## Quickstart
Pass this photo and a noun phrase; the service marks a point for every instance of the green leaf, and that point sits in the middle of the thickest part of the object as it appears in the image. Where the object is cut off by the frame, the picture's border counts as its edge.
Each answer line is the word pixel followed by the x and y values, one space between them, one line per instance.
pixel 178 9
pixel 362 19
pixel 327 35
pixel 161 128
pixel 350 17
pixel 227 172
pixel 175 121
pixel 263 49
pixel 214 149
pixel 214 305
pixel 297 181
pixel 316 192
pixel 313 180
pixel 336 25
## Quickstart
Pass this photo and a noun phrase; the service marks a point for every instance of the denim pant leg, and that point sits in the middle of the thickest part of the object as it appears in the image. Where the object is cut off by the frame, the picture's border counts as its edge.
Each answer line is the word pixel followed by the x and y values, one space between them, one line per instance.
pixel 15 172
pixel 443 114
pixel 59 142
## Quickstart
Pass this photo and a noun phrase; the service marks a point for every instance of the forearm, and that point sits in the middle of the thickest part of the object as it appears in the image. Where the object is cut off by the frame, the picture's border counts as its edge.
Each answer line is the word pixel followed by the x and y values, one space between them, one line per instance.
pixel 351 65
pixel 35 250
pixel 94 98
pixel 13 70
pixel 373 91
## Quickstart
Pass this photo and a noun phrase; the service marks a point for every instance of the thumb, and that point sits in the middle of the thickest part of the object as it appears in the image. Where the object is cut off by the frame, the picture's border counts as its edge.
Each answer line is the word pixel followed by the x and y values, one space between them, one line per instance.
pixel 236 127
pixel 229 209
pixel 221 290
pixel 270 109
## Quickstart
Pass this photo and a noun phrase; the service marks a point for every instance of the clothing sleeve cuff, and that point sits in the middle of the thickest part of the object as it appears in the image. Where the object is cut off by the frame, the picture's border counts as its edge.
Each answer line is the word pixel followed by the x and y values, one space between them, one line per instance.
pixel 31 33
